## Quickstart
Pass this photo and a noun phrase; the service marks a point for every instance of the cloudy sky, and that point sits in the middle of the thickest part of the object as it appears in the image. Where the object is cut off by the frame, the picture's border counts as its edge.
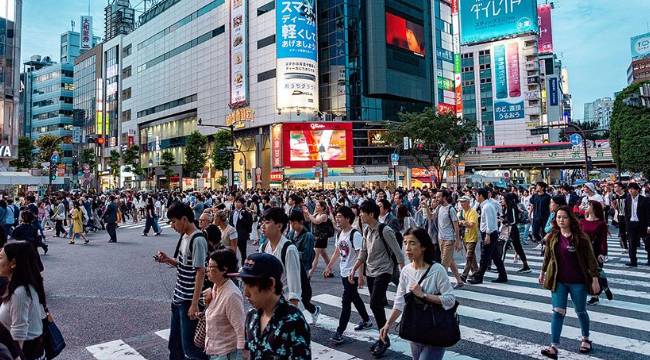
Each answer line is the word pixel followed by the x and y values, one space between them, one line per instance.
pixel 592 37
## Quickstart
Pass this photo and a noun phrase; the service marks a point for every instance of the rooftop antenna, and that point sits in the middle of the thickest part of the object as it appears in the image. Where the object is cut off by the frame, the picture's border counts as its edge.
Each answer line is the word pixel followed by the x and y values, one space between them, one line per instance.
pixel 89 7
pixel 72 24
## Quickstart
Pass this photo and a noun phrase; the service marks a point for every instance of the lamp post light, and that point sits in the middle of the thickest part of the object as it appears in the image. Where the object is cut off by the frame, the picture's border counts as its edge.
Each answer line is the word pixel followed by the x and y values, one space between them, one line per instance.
pixel 151 173
pixel 321 151
pixel 230 127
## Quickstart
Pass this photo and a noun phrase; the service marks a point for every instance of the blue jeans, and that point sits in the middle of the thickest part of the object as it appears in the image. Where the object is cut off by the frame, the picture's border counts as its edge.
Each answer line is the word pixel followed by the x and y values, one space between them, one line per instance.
pixel 181 335
pixel 425 352
pixel 235 355
pixel 559 299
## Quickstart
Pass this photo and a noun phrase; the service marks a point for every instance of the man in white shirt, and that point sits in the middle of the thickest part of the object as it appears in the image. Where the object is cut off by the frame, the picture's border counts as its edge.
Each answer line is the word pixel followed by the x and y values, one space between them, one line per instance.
pixel 490 235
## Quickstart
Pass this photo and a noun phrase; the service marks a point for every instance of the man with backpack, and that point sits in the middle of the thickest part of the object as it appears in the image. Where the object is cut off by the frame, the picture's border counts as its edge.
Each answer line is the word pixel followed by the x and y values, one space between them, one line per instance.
pixel 381 254
pixel 348 246
pixel 302 238
pixel 448 235
pixel 296 283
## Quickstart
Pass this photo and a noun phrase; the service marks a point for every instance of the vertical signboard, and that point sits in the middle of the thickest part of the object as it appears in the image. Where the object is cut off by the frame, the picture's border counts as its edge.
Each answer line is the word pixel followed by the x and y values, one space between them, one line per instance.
pixel 640 46
pixel 238 53
pixel 509 103
pixel 545 42
pixel 553 91
pixel 297 57
pixel 86 32
pixel 485 20
pixel 99 107
pixel 276 145
pixel 455 22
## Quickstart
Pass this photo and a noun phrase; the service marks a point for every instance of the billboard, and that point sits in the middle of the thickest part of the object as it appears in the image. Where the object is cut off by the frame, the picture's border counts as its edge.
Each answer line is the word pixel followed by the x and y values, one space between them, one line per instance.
pixel 404 34
pixel 553 91
pixel 640 46
pixel 86 32
pixel 297 58
pixel 508 102
pixel 545 42
pixel 485 20
pixel 276 145
pixel 238 53
pixel 455 22
pixel 303 142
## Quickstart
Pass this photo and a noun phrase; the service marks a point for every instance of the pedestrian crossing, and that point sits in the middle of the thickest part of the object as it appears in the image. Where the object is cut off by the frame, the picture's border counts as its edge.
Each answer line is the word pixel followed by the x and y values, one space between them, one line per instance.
pixel 510 320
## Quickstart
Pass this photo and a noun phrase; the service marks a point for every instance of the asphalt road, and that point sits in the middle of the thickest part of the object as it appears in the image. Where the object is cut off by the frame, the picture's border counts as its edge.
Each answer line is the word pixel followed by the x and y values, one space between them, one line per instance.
pixel 114 296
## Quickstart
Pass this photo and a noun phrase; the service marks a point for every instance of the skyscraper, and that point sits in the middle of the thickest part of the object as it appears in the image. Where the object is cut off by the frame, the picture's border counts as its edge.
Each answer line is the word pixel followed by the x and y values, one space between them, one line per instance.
pixel 10 32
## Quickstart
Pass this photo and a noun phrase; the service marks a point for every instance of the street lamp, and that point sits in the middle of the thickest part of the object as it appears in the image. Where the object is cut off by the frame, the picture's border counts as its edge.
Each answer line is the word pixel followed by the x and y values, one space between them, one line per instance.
pixel 230 127
pixel 151 172
pixel 321 151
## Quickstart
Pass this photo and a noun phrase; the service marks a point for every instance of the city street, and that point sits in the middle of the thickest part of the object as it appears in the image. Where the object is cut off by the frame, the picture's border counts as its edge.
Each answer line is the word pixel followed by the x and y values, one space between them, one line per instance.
pixel 112 301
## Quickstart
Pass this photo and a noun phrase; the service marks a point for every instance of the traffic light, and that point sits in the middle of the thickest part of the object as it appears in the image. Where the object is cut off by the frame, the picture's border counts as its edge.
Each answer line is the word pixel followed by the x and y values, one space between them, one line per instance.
pixel 590 165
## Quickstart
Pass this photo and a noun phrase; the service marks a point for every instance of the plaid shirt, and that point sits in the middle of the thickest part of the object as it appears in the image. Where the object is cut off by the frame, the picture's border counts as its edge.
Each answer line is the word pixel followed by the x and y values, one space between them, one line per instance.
pixel 286 336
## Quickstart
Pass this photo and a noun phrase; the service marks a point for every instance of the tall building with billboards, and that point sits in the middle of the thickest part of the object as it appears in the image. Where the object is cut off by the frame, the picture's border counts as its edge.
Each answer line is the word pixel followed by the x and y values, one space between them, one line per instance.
pixel 639 69
pixel 501 70
pixel 10 35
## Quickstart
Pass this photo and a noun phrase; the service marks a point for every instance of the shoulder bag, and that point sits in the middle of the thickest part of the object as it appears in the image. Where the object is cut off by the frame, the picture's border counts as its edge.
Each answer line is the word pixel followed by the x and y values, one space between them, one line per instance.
pixel 53 341
pixel 443 326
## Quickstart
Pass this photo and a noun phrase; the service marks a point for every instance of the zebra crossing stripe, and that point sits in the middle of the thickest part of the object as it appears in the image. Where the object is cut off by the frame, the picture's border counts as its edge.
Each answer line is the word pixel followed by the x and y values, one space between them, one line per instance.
pixel 480 337
pixel 608 266
pixel 114 350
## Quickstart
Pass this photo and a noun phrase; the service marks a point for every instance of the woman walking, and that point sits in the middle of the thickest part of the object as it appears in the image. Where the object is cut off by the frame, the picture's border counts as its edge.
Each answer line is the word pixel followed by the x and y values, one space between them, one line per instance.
pixel 150 218
pixel 77 223
pixel 323 229
pixel 428 281
pixel 569 268
pixel 59 217
pixel 595 226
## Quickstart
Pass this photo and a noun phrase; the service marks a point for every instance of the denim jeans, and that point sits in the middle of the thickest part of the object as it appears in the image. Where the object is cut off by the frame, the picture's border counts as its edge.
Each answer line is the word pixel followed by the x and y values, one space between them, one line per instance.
pixel 425 352
pixel 559 299
pixel 181 335
pixel 351 296
pixel 235 355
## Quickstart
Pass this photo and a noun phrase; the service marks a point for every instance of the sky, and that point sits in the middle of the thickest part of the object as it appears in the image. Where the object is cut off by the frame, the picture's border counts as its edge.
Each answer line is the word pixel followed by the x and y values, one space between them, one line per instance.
pixel 591 37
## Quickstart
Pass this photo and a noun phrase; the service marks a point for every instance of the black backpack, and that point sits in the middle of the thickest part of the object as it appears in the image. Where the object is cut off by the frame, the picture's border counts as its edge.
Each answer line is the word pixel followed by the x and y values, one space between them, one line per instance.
pixel 305 285
pixel 396 271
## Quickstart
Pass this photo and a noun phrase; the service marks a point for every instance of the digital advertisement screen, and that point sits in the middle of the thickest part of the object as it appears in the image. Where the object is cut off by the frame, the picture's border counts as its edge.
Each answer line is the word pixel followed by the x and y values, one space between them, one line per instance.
pixel 404 34
pixel 486 20
pixel 304 143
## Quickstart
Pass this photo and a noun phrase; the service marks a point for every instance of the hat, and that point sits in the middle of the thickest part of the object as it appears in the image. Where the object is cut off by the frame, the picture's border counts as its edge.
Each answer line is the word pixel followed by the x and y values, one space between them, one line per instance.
pixel 465 199
pixel 260 266
pixel 591 186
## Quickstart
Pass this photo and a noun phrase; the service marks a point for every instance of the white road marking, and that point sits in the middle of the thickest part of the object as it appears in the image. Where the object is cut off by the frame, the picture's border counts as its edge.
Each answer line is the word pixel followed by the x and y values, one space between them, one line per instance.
pixel 114 350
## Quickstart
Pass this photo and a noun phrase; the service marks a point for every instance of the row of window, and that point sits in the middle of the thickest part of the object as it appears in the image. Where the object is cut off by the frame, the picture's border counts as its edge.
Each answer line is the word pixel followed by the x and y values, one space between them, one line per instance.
pixel 43 129
pixel 188 45
pixel 48 102
pixel 52 88
pixel 270 6
pixel 52 114
pixel 266 75
pixel 168 105
pixel 266 41
pixel 180 23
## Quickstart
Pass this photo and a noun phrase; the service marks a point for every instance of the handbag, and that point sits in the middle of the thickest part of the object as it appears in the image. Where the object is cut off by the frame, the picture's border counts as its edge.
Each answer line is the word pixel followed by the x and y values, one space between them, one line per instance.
pixel 199 334
pixel 443 326
pixel 53 341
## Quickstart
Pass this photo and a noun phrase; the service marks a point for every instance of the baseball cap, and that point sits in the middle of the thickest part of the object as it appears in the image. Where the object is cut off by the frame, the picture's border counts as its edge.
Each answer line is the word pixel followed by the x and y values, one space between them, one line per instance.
pixel 465 199
pixel 260 266
pixel 591 186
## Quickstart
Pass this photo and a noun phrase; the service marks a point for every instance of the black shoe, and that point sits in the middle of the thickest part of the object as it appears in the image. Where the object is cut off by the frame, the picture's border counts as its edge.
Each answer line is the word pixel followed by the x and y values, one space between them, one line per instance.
pixel 337 339
pixel 374 345
pixel 475 281
pixel 648 263
pixel 363 325
pixel 45 248
pixel 381 348
pixel 630 264
pixel 112 241
pixel 524 270
pixel 500 280
pixel 608 294
pixel 593 301
pixel 464 278
pixel 158 233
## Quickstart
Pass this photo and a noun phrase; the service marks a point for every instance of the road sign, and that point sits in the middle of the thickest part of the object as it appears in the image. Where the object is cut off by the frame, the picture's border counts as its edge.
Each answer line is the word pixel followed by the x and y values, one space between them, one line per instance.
pixel 575 139
pixel 539 131
pixel 55 157
pixel 394 157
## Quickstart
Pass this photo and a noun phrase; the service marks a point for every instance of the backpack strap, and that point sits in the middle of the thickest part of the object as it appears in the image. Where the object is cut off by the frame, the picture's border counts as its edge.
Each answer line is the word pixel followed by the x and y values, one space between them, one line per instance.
pixel 178 245
pixel 283 253
pixel 381 236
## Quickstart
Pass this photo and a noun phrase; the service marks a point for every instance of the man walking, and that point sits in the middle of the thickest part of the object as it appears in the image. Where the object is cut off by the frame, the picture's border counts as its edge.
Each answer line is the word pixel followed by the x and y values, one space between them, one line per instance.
pixel 242 220
pixel 490 235
pixel 469 221
pixel 619 206
pixel 637 213
pixel 448 235
pixel 110 219
pixel 541 202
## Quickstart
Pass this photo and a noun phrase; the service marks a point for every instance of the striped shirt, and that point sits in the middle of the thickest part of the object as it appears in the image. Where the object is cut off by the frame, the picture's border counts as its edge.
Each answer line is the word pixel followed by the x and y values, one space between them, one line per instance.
pixel 189 261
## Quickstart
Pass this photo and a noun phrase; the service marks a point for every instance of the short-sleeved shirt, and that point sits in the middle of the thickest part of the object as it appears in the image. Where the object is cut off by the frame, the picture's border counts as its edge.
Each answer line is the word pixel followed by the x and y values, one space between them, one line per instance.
pixel 348 250
pixel 446 216
pixel 286 336
pixel 471 233
pixel 189 261
pixel 228 234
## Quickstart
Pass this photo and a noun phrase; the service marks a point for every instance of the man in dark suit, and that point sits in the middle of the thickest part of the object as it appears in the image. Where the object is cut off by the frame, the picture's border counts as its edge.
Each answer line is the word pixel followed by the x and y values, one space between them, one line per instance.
pixel 110 219
pixel 571 197
pixel 242 220
pixel 637 219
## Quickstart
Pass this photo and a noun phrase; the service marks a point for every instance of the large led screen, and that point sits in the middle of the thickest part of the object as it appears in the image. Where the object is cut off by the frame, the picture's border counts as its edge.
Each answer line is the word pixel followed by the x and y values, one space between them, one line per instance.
pixel 485 20
pixel 404 34
pixel 305 142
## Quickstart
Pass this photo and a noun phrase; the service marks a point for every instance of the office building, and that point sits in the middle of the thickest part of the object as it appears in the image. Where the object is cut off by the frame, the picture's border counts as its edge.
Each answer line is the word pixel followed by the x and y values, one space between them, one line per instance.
pixel 599 111
pixel 119 18
pixel 71 46
pixel 639 71
pixel 36 62
pixel 10 35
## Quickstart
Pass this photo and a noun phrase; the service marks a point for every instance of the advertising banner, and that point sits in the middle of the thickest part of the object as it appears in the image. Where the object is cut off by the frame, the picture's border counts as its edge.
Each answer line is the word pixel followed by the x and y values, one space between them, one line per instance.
pixel 553 91
pixel 276 145
pixel 640 46
pixel 297 57
pixel 377 138
pixel 404 34
pixel 509 103
pixel 238 52
pixel 86 32
pixel 485 20
pixel 305 143
pixel 455 22
pixel 545 42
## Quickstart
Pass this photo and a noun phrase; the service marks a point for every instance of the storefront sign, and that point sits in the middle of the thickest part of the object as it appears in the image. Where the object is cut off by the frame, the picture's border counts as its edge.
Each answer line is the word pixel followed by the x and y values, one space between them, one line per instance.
pixel 421 173
pixel 377 138
pixel 5 151
pixel 86 32
pixel 307 144
pixel 277 176
pixel 239 117
pixel 238 52
pixel 276 145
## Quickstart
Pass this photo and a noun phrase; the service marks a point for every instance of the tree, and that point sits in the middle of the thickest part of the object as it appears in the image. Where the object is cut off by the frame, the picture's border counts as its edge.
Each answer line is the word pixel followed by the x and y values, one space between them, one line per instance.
pixel 436 137
pixel 88 157
pixel 221 159
pixel 629 134
pixel 589 127
pixel 195 154
pixel 114 163
pixel 166 162
pixel 25 154
pixel 131 160
pixel 46 145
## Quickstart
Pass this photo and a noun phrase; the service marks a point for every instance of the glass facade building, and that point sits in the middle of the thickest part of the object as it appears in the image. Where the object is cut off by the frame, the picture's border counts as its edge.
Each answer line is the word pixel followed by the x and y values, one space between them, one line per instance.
pixel 10 30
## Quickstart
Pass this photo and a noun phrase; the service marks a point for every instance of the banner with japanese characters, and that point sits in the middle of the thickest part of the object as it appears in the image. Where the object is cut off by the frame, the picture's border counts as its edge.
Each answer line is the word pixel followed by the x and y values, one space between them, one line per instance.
pixel 238 53
pixel 297 55
pixel 508 100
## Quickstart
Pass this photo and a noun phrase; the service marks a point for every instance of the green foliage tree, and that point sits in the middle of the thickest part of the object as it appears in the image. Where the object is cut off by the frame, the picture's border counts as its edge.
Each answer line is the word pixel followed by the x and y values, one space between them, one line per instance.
pixel 436 137
pixel 589 127
pixel 25 154
pixel 114 162
pixel 131 160
pixel 195 154
pixel 46 145
pixel 630 134
pixel 88 157
pixel 221 159
pixel 167 160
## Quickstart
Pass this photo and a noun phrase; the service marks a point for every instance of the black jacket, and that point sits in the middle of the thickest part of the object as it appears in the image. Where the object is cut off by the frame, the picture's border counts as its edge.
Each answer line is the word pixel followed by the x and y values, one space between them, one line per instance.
pixel 244 224
pixel 110 215
pixel 642 211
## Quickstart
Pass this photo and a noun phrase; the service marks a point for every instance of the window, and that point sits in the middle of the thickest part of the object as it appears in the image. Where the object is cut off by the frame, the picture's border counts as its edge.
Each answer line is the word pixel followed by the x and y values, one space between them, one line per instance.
pixel 126 72
pixel 126 115
pixel 168 105
pixel 266 75
pixel 126 51
pixel 126 94
pixel 266 41
pixel 266 8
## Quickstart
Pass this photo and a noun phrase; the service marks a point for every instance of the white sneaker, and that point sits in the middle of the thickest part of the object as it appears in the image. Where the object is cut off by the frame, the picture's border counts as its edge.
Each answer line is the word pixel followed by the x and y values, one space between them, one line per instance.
pixel 315 315
pixel 538 247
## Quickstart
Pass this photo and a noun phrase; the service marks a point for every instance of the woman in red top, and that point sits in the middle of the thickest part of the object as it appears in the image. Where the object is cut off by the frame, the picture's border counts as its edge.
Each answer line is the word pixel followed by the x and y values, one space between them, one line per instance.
pixel 595 226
